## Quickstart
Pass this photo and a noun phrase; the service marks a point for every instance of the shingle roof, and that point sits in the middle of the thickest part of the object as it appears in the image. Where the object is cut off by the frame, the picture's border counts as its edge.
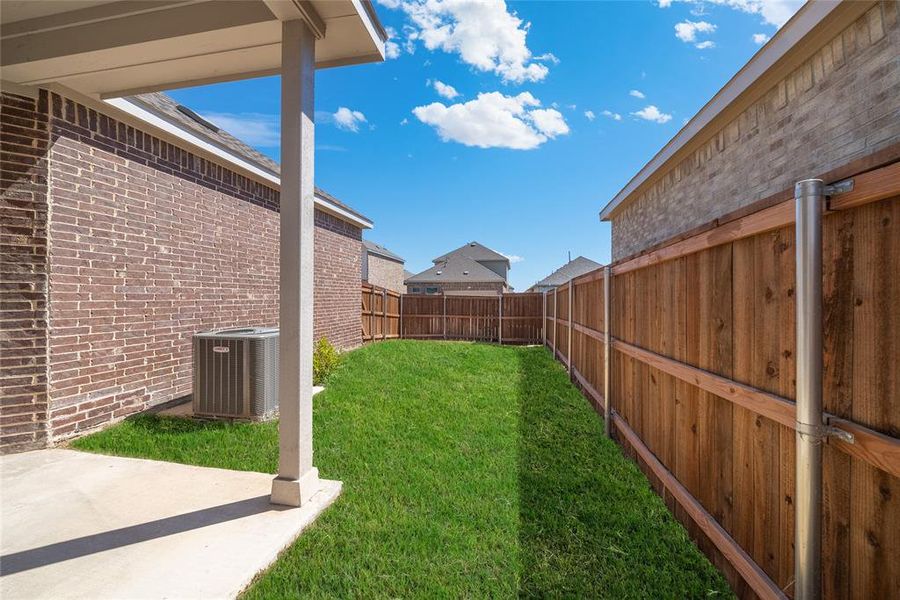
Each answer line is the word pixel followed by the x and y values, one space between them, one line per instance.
pixel 166 108
pixel 475 251
pixel 379 250
pixel 573 268
pixel 456 268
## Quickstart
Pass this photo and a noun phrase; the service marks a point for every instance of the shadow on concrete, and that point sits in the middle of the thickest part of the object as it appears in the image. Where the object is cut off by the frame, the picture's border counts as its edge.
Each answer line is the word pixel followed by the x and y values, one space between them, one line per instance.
pixel 134 534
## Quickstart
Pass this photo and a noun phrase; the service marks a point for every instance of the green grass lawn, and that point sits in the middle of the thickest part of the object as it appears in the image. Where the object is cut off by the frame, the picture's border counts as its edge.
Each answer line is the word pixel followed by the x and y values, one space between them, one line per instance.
pixel 469 470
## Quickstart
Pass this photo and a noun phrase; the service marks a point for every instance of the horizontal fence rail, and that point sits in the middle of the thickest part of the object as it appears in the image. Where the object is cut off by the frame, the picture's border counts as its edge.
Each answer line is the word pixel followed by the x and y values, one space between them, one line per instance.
pixel 699 339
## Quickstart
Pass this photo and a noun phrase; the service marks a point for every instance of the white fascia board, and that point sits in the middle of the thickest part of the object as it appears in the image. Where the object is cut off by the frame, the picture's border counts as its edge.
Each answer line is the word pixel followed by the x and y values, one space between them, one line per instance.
pixel 197 141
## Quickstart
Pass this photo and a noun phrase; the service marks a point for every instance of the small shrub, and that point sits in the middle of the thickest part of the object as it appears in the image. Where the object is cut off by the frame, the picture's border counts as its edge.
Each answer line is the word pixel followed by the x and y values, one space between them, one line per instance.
pixel 325 361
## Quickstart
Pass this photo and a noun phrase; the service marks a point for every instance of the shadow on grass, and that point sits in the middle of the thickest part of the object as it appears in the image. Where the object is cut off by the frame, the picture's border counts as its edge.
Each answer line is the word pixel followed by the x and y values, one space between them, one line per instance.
pixel 589 524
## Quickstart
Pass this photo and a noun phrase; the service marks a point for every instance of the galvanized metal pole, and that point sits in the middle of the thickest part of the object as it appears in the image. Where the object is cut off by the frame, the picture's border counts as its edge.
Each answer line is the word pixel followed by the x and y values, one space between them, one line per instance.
pixel 606 347
pixel 809 198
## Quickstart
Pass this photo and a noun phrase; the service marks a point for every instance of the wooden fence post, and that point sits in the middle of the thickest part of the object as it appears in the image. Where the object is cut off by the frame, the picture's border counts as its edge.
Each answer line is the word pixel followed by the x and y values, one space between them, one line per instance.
pixel 500 322
pixel 606 346
pixel 445 314
pixel 555 322
pixel 571 307
pixel 544 320
pixel 400 319
pixel 383 314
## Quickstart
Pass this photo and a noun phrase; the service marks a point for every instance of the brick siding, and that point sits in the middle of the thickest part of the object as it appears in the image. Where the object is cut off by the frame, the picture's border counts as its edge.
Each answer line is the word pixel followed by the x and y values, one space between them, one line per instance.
pixel 23 273
pixel 838 106
pixel 386 273
pixel 150 243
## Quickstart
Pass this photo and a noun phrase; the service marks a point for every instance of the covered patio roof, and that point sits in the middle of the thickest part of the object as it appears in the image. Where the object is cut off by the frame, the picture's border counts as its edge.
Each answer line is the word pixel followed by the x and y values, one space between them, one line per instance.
pixel 106 48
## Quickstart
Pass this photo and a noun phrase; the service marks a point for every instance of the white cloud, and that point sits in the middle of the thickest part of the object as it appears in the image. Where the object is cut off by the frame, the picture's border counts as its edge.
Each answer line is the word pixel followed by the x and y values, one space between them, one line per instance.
pixel 773 12
pixel 405 121
pixel 513 258
pixel 760 38
pixel 391 48
pixel 348 120
pixel 256 129
pixel 494 120
pixel 687 30
pixel 484 34
pixel 612 115
pixel 447 91
pixel 651 113
pixel 705 45
pixel 590 115
pixel 637 94
pixel 549 122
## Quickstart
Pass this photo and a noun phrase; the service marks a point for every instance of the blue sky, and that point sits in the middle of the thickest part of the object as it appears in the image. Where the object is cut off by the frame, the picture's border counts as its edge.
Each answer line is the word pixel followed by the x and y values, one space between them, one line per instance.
pixel 551 108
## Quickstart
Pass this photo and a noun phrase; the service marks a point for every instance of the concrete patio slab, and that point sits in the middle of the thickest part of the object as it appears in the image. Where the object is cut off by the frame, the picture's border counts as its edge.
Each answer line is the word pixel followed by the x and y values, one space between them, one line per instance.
pixel 79 525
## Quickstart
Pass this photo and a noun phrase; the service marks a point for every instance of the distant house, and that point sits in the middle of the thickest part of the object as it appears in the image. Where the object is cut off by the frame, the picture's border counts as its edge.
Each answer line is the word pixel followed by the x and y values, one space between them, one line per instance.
pixel 573 268
pixel 470 269
pixel 382 267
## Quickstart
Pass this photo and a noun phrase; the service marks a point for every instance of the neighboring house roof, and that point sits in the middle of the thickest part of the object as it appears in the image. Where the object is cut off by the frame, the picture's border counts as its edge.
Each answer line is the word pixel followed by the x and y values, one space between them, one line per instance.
pixel 475 251
pixel 799 38
pixel 573 268
pixel 164 107
pixel 379 250
pixel 407 274
pixel 456 268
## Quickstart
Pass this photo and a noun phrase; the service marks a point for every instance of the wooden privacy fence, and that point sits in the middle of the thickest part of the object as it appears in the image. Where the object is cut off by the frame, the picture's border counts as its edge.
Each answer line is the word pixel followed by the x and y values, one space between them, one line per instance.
pixel 380 313
pixel 506 318
pixel 701 385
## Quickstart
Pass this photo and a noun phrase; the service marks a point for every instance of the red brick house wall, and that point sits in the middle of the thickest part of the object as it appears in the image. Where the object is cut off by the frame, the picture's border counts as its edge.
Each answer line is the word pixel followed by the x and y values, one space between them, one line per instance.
pixel 23 273
pixel 150 243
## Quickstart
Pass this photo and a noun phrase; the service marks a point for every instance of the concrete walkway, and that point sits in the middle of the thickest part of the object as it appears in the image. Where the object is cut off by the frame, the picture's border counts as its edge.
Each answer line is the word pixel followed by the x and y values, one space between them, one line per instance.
pixel 78 525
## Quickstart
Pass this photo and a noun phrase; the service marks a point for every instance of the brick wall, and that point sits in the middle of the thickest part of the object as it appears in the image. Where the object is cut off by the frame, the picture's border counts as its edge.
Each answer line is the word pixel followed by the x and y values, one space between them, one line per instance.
pixel 338 293
pixel 23 273
pixel 838 106
pixel 386 273
pixel 150 243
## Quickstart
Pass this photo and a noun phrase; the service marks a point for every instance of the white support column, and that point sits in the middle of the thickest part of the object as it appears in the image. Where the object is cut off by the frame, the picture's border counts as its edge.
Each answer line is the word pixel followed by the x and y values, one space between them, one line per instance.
pixel 297 479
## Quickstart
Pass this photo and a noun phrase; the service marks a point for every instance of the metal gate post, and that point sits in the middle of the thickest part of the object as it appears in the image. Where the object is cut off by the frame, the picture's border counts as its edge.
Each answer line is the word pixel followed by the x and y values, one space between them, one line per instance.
pixel 809 198
pixel 606 345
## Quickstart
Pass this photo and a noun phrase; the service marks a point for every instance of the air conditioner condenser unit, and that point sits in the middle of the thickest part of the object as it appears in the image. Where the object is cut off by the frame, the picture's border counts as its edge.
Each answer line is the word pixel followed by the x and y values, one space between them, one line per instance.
pixel 236 373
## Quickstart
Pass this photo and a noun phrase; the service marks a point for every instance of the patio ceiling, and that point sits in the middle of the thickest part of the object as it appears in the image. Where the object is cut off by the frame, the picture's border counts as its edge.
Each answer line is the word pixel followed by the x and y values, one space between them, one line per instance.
pixel 106 48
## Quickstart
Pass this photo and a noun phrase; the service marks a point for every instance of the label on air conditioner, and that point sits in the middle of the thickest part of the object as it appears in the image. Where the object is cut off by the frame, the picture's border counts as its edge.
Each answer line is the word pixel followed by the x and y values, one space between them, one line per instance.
pixel 220 349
